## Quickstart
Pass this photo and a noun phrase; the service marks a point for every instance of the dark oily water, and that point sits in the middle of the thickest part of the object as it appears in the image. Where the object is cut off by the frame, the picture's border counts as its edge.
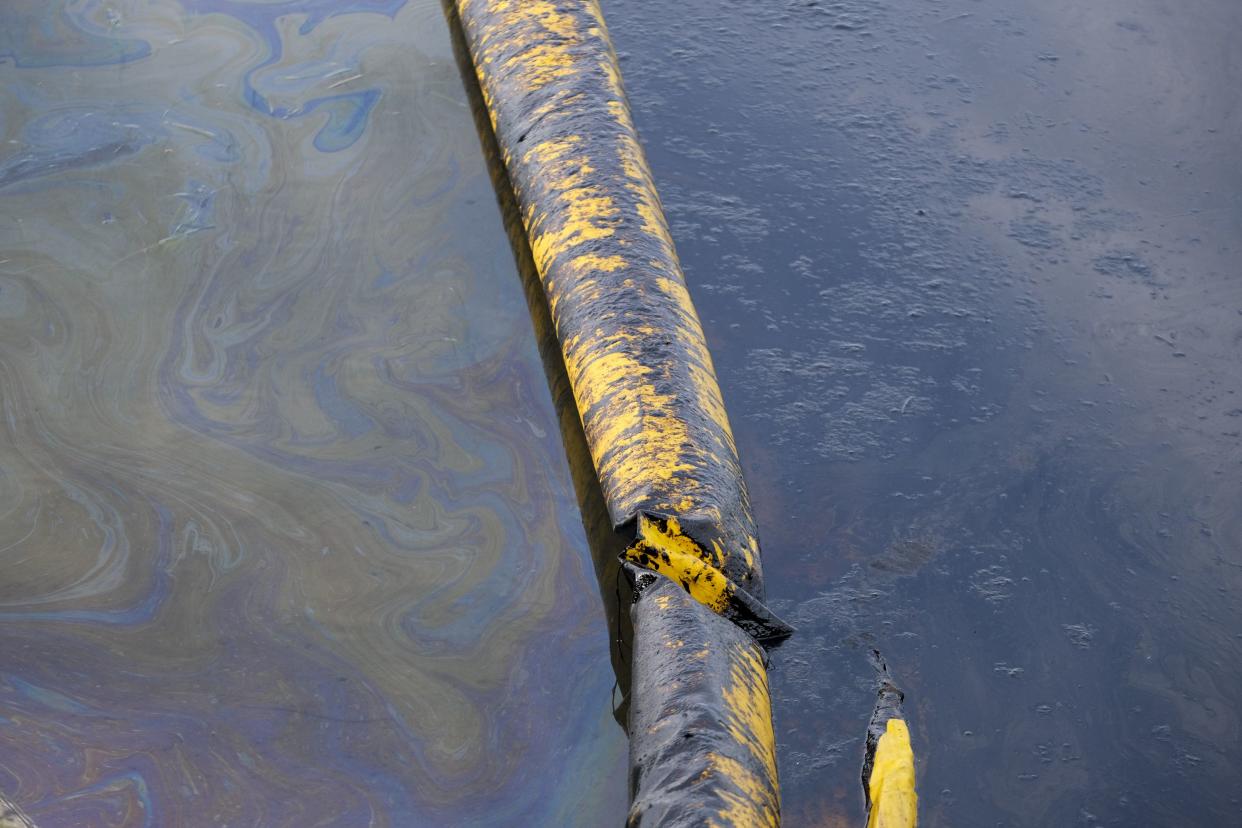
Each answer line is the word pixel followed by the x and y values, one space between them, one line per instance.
pixel 970 274
pixel 287 534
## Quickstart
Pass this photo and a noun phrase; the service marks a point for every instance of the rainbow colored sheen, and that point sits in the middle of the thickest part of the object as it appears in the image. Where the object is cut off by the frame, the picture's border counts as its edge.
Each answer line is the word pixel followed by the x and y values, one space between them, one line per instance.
pixel 287 535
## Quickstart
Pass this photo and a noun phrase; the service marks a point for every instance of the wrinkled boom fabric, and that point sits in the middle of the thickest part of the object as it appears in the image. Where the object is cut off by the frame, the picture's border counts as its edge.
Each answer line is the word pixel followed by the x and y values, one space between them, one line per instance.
pixel 701 743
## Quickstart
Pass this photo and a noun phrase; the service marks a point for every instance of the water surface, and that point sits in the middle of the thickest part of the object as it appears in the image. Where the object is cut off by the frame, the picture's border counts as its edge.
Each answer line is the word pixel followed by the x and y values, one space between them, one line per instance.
pixel 969 270
pixel 287 534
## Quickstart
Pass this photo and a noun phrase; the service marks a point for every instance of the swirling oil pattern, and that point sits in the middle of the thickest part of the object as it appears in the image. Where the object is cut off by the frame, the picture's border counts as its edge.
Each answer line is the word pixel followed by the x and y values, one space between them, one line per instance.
pixel 287 535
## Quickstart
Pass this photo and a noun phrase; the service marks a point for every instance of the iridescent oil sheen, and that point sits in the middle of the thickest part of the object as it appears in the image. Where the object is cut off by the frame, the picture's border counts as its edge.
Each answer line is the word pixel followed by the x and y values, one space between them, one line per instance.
pixel 287 535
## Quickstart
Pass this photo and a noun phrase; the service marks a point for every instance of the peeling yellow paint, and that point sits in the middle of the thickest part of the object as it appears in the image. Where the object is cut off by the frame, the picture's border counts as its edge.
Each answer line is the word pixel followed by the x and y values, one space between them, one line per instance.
pixel 634 349
pixel 742 797
pixel 654 416
pixel 667 551
pixel 590 261
pixel 749 797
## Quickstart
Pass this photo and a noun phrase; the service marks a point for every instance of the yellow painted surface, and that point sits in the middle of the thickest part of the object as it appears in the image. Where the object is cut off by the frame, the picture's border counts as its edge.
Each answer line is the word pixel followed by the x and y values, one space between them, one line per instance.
pixel 654 418
pixel 894 803
pixel 751 795
pixel 740 810
pixel 634 350
pixel 750 707
pixel 669 552
pixel 589 261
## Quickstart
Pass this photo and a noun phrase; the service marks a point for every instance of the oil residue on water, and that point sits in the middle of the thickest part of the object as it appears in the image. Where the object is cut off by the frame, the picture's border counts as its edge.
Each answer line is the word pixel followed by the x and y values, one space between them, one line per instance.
pixel 968 270
pixel 290 519
pixel 287 534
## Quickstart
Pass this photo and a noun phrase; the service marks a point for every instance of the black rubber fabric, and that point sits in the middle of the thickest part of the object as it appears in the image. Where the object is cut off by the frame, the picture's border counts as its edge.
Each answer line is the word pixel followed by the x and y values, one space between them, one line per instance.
pixel 701 742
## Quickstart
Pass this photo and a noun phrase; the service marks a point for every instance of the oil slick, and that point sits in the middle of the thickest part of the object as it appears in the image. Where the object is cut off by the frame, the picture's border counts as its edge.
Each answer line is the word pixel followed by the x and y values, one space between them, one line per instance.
pixel 286 526
pixel 11 816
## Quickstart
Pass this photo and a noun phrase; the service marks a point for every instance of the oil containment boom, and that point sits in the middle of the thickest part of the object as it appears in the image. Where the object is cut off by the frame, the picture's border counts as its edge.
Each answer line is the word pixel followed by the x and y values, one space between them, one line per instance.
pixel 702 749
